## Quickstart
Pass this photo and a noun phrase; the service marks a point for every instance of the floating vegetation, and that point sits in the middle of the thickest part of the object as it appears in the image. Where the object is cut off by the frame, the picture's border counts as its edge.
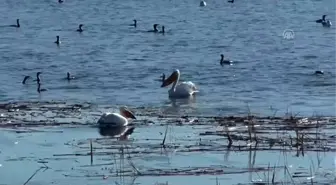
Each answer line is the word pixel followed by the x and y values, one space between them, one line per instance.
pixel 108 156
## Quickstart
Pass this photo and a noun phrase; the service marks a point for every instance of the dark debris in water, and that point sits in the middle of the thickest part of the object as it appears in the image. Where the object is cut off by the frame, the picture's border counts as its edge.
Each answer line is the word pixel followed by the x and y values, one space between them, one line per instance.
pixel 230 133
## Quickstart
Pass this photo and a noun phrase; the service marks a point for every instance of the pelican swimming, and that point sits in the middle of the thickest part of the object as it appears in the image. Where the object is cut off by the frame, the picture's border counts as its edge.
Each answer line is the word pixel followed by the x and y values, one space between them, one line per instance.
pixel 179 90
pixel 116 119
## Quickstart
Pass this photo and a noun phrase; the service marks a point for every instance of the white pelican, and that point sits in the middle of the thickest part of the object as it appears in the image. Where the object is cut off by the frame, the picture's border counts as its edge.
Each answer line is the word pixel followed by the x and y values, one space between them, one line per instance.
pixel 181 90
pixel 202 3
pixel 116 119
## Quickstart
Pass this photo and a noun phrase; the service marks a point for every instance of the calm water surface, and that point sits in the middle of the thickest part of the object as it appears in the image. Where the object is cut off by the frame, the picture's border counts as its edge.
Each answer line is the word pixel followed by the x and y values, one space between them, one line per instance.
pixel 117 64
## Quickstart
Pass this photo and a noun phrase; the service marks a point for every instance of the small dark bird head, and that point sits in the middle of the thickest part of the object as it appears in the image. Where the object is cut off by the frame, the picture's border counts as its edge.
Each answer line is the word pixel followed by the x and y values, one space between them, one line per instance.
pixel 68 75
pixel 57 37
pixel 135 21
pixel 222 56
pixel 323 17
pixel 38 74
pixel 80 26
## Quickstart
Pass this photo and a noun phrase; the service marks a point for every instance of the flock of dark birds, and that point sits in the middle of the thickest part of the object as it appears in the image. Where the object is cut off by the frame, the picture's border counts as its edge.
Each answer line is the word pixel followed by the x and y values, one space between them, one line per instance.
pixel 38 80
pixel 325 23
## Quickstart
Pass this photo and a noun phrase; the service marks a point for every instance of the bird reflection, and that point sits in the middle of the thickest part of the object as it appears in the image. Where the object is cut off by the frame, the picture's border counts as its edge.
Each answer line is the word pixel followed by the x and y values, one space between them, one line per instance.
pixel 120 132
pixel 177 102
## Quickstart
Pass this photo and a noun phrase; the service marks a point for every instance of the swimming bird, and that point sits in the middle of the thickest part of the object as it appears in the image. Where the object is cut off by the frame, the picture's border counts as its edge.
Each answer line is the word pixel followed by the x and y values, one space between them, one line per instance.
pixel 231 1
pixel 162 30
pixel 326 23
pixel 60 1
pixel 222 61
pixel 319 72
pixel 39 90
pixel 25 79
pixel 17 25
pixel 69 77
pixel 202 3
pixel 38 77
pixel 179 90
pixel 57 40
pixel 116 119
pixel 321 20
pixel 134 24
pixel 154 28
pixel 80 28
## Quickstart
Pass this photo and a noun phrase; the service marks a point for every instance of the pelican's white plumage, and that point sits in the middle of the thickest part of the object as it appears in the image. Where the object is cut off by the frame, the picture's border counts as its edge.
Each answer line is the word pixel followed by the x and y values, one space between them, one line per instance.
pixel 179 90
pixel 116 119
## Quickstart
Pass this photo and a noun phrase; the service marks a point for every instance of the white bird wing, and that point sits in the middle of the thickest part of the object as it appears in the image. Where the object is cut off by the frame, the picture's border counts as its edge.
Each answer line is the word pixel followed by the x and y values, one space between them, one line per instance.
pixel 188 87
pixel 113 119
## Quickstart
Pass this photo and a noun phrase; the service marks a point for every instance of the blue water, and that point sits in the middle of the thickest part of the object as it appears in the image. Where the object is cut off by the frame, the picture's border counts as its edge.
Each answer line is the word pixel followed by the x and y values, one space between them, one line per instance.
pixel 117 64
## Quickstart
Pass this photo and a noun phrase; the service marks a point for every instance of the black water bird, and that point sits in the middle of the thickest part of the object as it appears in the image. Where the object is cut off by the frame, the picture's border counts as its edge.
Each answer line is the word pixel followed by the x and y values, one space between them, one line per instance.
pixel 154 28
pixel 80 28
pixel 60 1
pixel 39 90
pixel 321 20
pixel 17 25
pixel 231 1
pixel 57 40
pixel 223 61
pixel 134 24
pixel 319 72
pixel 38 77
pixel 162 30
pixel 25 79
pixel 69 77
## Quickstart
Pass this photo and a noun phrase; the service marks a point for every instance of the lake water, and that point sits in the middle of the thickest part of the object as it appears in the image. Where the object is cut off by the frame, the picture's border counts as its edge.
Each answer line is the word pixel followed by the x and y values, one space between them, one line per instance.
pixel 117 64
